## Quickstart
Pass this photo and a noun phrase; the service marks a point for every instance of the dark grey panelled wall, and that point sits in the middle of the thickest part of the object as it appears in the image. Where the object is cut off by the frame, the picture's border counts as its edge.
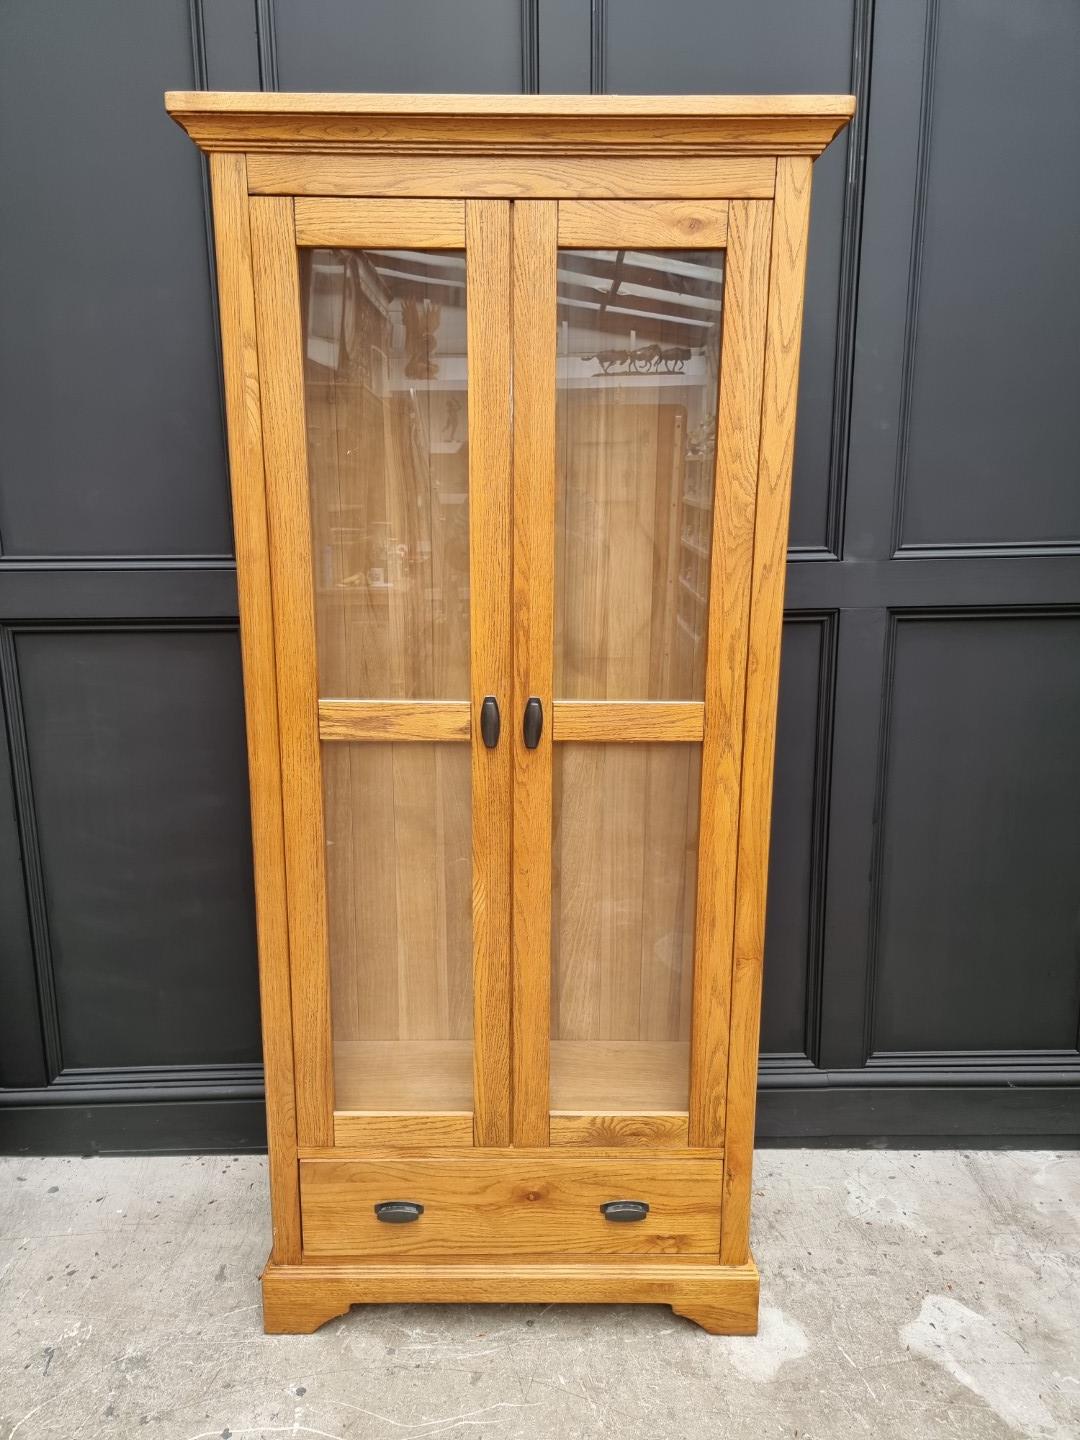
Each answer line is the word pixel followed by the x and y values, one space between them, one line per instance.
pixel 923 965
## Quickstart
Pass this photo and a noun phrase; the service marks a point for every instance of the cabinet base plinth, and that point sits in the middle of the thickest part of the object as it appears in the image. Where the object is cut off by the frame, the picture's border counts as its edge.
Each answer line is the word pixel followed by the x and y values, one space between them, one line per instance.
pixel 722 1299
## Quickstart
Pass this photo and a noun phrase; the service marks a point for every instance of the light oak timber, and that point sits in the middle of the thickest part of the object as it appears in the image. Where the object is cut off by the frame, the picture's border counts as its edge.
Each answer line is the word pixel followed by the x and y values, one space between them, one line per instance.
pixel 381 224
pixel 511 178
pixel 496 1205
pixel 433 1096
pixel 399 845
pixel 423 1076
pixel 400 942
pixel 669 224
pixel 731 124
pixel 627 721
pixel 277 304
pixel 298 1299
pixel 534 337
pixel 746 289
pixel 648 1132
pixel 604 1075
pixel 488 279
pixel 402 1131
pixel 791 220
pixel 443 720
pixel 625 815
pixel 468 1153
pixel 239 347
pixel 455 106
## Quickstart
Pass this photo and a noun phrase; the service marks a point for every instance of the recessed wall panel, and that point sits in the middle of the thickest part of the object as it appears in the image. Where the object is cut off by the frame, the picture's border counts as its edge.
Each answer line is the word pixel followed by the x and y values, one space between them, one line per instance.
pixel 994 427
pixel 136 747
pixel 773 47
pixel 111 437
pixel 980 856
pixel 473 46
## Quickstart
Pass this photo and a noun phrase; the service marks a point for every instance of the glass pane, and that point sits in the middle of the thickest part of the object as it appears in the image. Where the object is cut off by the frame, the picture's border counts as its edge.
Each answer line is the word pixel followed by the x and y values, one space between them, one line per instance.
pixel 638 369
pixel 384 354
pixel 623 893
pixel 399 900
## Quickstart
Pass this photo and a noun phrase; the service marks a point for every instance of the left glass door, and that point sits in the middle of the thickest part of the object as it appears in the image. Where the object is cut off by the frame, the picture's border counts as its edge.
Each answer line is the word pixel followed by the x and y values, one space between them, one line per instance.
pixel 384 372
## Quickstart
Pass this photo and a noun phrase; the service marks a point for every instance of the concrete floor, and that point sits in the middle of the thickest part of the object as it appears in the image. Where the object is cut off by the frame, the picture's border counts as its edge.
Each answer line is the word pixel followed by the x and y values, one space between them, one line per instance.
pixel 905 1294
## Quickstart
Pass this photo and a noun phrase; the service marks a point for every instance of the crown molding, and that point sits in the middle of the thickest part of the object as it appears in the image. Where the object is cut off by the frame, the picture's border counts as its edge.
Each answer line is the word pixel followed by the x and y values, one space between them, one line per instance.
pixel 511 124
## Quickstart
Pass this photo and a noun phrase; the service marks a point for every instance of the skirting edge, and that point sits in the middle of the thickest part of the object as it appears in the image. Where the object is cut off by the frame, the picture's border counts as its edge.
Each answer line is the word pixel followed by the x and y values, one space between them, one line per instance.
pixel 722 1299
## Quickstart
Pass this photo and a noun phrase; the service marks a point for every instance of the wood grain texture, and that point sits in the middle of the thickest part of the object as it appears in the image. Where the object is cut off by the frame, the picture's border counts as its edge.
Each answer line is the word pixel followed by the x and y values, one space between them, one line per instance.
pixel 490 566
pixel 493 1205
pixel 385 392
pixel 534 335
pixel 297 1299
pixel 603 1075
pixel 364 1131
pixel 739 124
pixel 301 104
pixel 632 506
pixel 670 224
pixel 381 224
pixel 385 351
pixel 239 346
pixel 466 1154
pixel 645 1132
pixel 394 720
pixel 745 304
pixel 398 863
pixel 512 177
pixel 627 721
pixel 624 871
pixel 711 167
pixel 285 459
pixel 403 1075
pixel 791 220
pixel 635 475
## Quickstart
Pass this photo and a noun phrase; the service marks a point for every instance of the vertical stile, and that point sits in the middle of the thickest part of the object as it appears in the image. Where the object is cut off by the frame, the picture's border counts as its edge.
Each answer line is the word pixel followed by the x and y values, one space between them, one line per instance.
pixel 791 219
pixel 277 297
pixel 738 422
pixel 534 343
pixel 228 175
pixel 487 251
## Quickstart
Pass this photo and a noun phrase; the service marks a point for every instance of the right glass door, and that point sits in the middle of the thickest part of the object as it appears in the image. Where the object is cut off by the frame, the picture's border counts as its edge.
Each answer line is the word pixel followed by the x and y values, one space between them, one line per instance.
pixel 650 527
pixel 637 381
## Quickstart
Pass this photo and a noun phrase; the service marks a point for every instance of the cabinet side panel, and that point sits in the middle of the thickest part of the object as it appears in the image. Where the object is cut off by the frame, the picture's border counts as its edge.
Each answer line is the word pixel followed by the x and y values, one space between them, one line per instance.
pixel 240 353
pixel 277 307
pixel 739 413
pixel 791 217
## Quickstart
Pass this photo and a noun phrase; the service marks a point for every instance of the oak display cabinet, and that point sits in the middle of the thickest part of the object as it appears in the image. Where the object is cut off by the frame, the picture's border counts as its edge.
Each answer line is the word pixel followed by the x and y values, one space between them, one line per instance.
pixel 511 390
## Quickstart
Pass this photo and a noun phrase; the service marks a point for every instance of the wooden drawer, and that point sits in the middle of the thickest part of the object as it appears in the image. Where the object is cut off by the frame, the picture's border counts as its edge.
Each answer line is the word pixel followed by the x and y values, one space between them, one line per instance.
pixel 512 1203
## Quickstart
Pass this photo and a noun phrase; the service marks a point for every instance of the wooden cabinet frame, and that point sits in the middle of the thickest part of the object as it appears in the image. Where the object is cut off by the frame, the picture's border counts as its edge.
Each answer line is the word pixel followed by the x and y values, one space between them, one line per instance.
pixel 509 180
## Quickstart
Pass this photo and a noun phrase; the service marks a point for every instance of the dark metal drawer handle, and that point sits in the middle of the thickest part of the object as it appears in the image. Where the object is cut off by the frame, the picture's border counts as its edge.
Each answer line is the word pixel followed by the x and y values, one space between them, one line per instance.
pixel 624 1211
pixel 489 721
pixel 533 725
pixel 398 1212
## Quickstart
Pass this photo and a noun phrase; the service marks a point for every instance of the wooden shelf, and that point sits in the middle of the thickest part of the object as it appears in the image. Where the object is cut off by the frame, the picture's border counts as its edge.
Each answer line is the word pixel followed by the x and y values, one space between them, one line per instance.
pixel 407 1076
pixel 611 1077
pixel 606 1077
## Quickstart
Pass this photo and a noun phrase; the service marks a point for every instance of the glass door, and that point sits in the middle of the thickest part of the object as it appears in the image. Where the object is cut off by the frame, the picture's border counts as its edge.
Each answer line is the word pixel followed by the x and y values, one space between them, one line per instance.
pixel 634 521
pixel 384 352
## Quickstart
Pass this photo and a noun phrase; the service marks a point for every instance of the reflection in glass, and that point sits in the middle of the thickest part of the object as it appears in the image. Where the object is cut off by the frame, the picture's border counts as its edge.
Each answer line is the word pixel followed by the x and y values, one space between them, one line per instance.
pixel 385 390
pixel 624 885
pixel 638 368
pixel 399 914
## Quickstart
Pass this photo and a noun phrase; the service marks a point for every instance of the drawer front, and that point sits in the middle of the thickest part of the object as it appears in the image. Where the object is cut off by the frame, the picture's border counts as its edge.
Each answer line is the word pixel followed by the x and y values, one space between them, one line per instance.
pixel 540 1204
